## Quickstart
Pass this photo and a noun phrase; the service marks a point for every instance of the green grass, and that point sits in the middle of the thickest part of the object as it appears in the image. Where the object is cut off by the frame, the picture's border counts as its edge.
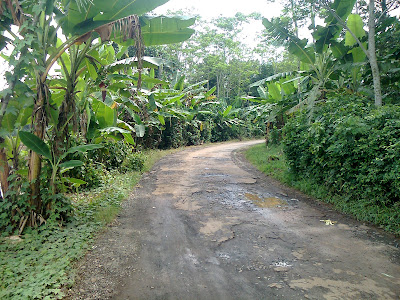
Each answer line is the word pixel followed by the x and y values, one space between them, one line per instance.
pixel 271 161
pixel 40 265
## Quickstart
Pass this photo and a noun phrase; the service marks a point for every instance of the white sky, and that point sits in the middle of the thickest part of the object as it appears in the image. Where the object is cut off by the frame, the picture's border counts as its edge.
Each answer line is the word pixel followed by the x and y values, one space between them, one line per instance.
pixel 226 8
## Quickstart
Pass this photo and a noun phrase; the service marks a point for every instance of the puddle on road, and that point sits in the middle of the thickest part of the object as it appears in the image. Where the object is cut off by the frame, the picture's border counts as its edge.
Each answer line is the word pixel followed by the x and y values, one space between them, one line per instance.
pixel 266 202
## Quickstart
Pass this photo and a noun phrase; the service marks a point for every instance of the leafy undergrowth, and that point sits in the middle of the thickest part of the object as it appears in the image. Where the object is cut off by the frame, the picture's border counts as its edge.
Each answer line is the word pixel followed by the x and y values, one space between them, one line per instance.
pixel 39 265
pixel 271 161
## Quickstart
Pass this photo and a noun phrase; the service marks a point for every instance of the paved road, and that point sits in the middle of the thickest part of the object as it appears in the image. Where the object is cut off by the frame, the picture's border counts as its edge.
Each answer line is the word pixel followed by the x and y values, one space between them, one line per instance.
pixel 204 224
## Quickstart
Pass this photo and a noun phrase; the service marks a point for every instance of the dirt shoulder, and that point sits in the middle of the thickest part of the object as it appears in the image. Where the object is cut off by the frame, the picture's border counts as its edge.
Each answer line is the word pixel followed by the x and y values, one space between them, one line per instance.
pixel 205 224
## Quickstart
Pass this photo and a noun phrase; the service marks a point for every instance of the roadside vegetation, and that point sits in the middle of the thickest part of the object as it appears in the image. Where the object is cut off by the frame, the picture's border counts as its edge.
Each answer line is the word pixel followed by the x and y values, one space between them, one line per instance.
pixel 333 123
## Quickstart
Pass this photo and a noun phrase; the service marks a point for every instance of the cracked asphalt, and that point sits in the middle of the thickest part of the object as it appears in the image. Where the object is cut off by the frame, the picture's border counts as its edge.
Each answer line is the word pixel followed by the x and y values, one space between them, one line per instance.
pixel 205 224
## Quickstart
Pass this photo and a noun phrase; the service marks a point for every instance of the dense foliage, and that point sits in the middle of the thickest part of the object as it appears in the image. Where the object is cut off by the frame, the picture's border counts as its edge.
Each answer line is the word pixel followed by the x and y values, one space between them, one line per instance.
pixel 353 148
pixel 337 112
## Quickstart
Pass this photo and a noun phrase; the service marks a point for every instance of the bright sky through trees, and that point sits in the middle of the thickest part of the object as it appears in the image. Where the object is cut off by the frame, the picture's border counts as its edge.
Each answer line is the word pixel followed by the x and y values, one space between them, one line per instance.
pixel 208 9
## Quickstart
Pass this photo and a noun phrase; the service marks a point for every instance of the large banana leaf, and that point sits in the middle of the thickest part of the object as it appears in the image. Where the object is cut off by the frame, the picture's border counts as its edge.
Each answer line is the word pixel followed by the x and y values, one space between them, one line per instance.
pixel 342 8
pixel 274 91
pixel 105 115
pixel 296 46
pixel 166 30
pixel 160 30
pixel 356 25
pixel 35 144
pixel 80 20
pixel 324 36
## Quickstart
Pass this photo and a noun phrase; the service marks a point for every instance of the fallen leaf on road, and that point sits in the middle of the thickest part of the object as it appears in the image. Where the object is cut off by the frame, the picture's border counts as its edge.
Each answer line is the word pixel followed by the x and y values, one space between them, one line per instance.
pixel 328 222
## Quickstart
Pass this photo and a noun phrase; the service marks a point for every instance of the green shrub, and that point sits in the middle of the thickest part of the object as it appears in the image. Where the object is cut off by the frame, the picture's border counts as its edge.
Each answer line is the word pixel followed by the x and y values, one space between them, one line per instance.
pixel 133 162
pixel 192 133
pixel 173 136
pixel 205 132
pixel 115 155
pixel 352 148
pixel 274 136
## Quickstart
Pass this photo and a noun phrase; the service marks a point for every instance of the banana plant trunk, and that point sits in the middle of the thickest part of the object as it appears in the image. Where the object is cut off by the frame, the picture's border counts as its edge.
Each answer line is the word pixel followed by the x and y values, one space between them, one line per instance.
pixel 4 171
pixel 39 121
pixel 67 114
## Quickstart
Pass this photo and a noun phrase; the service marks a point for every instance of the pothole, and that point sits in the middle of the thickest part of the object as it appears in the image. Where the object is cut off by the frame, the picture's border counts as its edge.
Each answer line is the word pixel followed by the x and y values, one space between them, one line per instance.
pixel 266 202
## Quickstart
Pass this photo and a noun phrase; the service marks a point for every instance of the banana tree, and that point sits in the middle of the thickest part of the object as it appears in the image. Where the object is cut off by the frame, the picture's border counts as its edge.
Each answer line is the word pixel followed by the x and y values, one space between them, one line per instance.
pixel 324 60
pixel 37 32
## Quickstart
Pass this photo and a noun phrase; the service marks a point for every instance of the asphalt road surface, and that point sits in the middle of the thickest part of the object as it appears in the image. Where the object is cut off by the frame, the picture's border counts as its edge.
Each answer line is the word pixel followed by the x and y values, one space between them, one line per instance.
pixel 204 224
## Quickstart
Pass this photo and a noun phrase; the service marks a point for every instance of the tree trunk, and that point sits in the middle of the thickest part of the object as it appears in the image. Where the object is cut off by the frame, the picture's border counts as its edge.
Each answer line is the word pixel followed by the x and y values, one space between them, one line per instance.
pixel 384 9
pixel 372 55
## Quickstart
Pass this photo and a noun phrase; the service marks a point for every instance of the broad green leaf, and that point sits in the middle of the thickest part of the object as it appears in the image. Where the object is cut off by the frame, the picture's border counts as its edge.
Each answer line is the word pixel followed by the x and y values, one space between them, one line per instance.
pixel 325 36
pixel 166 30
pixel 91 69
pixel 81 149
pixel 70 164
pixel 128 137
pixel 287 85
pixel 121 52
pixel 57 97
pixel 197 86
pixel 271 78
pixel 124 125
pixel 35 144
pixel 358 54
pixel 10 116
pixel 356 25
pixel 274 91
pixel 342 8
pixel 339 50
pixel 49 7
pixel 159 30
pixel 171 100
pixel 106 116
pixel 75 181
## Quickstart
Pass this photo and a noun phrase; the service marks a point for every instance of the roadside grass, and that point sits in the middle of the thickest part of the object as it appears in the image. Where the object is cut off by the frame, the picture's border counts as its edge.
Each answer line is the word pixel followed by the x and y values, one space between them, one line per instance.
pixel 271 161
pixel 40 264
